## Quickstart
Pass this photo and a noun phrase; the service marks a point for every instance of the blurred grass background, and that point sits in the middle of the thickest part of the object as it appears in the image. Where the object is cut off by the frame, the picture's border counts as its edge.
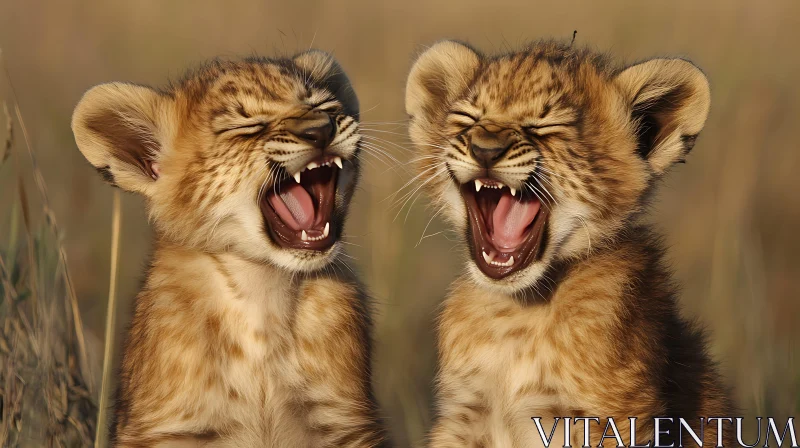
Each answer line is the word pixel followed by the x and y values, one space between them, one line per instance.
pixel 731 215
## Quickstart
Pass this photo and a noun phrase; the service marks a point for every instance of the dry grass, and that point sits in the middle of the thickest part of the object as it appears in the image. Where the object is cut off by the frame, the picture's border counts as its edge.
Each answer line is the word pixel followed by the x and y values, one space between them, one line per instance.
pixel 45 394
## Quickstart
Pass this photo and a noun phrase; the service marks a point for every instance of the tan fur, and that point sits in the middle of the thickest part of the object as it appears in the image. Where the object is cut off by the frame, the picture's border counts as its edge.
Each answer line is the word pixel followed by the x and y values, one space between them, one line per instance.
pixel 235 341
pixel 591 327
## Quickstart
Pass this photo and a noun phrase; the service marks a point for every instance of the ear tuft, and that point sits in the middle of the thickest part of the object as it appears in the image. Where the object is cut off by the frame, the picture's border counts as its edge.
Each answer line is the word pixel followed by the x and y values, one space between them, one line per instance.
pixel 440 75
pixel 324 69
pixel 120 129
pixel 669 101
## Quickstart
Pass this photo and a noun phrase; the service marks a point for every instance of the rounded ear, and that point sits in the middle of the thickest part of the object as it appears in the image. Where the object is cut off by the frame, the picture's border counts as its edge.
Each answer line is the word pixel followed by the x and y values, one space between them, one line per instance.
pixel 669 101
pixel 440 74
pixel 121 129
pixel 324 69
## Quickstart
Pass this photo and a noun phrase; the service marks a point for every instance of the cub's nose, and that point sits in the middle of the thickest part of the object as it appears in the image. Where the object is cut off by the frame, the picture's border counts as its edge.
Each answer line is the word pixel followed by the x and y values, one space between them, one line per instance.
pixel 487 146
pixel 487 156
pixel 316 130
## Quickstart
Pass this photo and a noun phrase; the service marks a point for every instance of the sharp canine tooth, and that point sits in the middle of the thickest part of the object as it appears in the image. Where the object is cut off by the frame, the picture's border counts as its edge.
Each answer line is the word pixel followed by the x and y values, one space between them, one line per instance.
pixel 304 236
pixel 297 177
pixel 478 185
pixel 338 162
pixel 513 191
pixel 486 257
pixel 327 230
pixel 510 261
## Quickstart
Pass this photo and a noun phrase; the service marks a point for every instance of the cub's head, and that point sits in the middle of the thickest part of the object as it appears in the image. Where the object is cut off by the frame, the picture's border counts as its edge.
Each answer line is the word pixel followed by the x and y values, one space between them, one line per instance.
pixel 257 157
pixel 541 155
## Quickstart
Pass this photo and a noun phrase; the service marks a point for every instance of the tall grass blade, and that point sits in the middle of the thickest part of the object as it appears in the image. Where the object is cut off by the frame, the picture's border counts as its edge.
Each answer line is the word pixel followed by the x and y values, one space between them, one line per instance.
pixel 101 439
pixel 9 140
pixel 34 271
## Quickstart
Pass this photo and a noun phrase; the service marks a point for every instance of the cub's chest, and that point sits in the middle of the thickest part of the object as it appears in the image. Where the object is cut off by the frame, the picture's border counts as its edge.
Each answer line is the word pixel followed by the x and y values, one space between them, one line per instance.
pixel 255 340
pixel 255 369
pixel 512 356
pixel 500 333
pixel 548 341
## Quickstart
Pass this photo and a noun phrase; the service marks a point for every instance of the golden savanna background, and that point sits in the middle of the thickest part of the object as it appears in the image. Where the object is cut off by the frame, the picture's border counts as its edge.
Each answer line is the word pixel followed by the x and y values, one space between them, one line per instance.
pixel 731 215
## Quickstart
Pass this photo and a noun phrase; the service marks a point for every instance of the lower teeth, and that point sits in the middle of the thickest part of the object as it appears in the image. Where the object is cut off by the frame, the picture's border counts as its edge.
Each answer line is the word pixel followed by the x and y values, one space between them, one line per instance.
pixel 304 236
pixel 490 260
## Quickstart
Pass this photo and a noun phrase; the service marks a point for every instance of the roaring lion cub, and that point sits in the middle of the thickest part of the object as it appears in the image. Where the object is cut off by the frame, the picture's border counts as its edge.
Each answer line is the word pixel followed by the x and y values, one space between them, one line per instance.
pixel 543 160
pixel 248 330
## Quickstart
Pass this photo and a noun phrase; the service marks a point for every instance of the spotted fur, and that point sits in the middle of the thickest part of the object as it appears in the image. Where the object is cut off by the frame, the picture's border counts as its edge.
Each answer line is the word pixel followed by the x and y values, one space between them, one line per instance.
pixel 591 327
pixel 235 341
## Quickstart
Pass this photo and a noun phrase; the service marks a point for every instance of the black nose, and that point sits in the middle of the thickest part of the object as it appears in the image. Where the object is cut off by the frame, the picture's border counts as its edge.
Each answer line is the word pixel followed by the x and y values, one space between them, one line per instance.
pixel 487 156
pixel 318 133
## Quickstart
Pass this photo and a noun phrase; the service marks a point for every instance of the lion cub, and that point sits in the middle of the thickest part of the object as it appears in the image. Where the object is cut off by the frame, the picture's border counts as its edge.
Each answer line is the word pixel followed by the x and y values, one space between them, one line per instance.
pixel 543 160
pixel 248 330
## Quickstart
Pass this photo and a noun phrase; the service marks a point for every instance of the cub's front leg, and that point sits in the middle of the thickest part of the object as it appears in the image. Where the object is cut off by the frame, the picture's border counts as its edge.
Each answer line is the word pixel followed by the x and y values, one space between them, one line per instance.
pixel 461 408
pixel 451 432
pixel 332 338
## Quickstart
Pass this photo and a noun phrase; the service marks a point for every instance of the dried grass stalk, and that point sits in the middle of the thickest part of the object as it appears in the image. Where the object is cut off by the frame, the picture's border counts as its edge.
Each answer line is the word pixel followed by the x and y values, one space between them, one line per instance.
pixel 101 439
pixel 45 399
pixel 6 150
pixel 53 224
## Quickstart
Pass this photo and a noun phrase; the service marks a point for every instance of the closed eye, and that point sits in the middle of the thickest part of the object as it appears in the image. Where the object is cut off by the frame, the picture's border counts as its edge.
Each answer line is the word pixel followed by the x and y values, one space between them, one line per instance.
pixel 548 128
pixel 244 129
pixel 329 106
pixel 460 118
pixel 464 114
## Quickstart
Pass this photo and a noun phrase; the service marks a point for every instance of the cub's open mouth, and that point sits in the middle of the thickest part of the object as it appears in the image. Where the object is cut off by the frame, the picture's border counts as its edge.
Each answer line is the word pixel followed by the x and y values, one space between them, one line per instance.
pixel 298 211
pixel 506 227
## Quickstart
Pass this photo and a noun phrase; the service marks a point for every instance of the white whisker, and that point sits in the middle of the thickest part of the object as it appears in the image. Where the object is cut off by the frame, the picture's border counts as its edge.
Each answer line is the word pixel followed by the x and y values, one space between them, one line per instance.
pixel 418 188
pixel 426 227
pixel 588 234
pixel 413 179
pixel 374 139
pixel 366 128
pixel 374 146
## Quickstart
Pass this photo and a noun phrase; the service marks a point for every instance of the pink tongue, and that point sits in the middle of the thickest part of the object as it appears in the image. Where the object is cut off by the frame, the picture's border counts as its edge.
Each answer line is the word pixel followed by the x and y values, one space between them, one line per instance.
pixel 294 206
pixel 510 219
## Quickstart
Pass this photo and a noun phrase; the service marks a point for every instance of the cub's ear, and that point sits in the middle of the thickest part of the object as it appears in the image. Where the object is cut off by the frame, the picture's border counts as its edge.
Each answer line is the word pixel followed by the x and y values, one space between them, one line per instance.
pixel 669 100
pixel 121 129
pixel 440 75
pixel 323 68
